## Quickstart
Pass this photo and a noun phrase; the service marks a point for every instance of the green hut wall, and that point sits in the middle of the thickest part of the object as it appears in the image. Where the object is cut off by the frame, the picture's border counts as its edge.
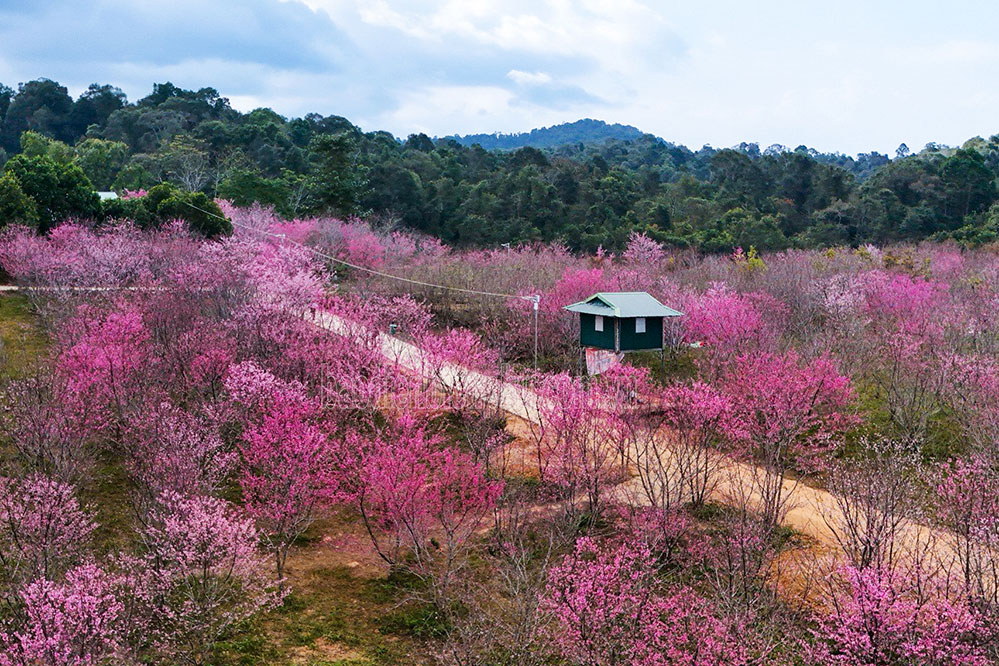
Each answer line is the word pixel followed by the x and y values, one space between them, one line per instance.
pixel 652 338
pixel 589 336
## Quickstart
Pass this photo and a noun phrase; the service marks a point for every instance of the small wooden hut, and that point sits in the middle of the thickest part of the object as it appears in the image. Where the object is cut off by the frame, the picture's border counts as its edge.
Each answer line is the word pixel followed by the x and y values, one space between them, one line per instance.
pixel 622 321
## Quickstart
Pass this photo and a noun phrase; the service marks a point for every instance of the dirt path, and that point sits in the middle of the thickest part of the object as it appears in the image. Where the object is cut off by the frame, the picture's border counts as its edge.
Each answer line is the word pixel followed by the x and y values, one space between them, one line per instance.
pixel 812 510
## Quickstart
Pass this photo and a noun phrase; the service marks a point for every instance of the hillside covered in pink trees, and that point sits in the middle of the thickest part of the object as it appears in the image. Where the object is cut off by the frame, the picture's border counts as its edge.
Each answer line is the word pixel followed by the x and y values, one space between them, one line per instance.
pixel 265 448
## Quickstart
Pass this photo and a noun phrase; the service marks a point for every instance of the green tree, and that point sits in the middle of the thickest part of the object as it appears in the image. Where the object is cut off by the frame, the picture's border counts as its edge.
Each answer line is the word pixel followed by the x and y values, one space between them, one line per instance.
pixel 101 160
pixel 16 207
pixel 396 190
pixel 420 142
pixel 94 106
pixel 60 191
pixel 203 216
pixel 34 144
pixel 133 210
pixel 138 174
pixel 6 95
pixel 336 183
pixel 195 105
pixel 739 176
pixel 748 230
pixel 969 183
pixel 243 187
pixel 42 105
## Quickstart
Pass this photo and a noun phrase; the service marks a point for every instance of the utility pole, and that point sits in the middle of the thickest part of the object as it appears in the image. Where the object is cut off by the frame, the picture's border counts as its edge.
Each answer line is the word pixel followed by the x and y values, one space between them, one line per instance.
pixel 536 299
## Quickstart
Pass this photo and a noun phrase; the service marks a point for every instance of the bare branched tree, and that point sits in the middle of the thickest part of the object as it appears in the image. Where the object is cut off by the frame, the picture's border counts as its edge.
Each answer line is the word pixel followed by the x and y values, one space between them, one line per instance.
pixel 875 498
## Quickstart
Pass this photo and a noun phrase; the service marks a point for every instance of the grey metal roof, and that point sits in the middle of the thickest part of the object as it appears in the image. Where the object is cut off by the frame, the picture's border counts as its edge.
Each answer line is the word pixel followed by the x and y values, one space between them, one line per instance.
pixel 623 304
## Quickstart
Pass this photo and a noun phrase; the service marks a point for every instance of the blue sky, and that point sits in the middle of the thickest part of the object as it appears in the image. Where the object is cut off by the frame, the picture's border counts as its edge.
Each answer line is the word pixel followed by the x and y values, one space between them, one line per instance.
pixel 850 76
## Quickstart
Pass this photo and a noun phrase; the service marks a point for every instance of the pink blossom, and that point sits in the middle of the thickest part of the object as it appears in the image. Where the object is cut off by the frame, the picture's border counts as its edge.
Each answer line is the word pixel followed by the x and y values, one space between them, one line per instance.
pixel 643 251
pixel 43 529
pixel 966 503
pixel 781 399
pixel 793 412
pixel 422 503
pixel 172 450
pixel 609 609
pixel 103 358
pixel 51 426
pixel 879 621
pixel 727 322
pixel 570 435
pixel 73 623
pixel 290 466
pixel 200 575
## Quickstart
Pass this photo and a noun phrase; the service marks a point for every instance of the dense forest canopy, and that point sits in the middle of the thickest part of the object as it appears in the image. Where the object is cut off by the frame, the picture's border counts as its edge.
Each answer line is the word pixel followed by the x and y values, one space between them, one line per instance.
pixel 586 130
pixel 589 191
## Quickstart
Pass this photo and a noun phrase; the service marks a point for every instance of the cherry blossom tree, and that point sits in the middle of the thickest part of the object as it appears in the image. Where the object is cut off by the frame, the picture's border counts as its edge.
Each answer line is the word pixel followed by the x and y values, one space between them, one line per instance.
pixel 680 464
pixel 644 252
pixel 458 362
pixel 170 449
pixel 52 428
pixel 347 366
pixel 573 450
pixel 904 355
pixel 729 324
pixel 72 255
pixel 878 619
pixel 104 359
pixel 599 599
pixel 874 499
pixel 793 412
pixel 609 609
pixel 504 615
pixel 972 391
pixel 739 565
pixel 43 529
pixel 199 575
pixel 422 504
pixel 72 623
pixel 290 466
pixel 966 502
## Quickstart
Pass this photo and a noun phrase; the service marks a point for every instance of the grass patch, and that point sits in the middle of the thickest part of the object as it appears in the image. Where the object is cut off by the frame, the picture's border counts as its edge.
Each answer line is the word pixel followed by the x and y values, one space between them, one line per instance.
pixel 107 492
pixel 707 512
pixel 334 617
pixel 675 367
pixel 417 620
pixel 22 342
pixel 944 437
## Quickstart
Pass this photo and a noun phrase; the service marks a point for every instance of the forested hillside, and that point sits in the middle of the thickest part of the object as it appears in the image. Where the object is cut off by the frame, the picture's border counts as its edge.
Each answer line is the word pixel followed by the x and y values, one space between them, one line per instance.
pixel 588 195
pixel 581 131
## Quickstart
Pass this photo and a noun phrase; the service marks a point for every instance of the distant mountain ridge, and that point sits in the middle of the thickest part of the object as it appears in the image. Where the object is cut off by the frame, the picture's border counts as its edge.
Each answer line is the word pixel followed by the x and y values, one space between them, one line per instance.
pixel 586 130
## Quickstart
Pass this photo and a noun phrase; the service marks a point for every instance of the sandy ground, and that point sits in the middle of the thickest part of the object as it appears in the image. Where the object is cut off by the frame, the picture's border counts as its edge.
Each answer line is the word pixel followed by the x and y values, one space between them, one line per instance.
pixel 812 510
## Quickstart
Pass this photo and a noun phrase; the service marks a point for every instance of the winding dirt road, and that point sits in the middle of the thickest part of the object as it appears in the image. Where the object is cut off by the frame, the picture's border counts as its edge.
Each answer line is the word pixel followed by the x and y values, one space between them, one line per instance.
pixel 812 510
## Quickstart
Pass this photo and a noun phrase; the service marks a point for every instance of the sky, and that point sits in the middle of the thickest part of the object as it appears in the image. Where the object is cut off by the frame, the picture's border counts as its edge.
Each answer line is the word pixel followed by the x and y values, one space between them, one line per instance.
pixel 849 76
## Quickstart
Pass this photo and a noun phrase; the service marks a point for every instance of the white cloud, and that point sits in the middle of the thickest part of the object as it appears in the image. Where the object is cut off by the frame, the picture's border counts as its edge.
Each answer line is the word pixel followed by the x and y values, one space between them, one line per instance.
pixel 853 76
pixel 463 110
pixel 528 78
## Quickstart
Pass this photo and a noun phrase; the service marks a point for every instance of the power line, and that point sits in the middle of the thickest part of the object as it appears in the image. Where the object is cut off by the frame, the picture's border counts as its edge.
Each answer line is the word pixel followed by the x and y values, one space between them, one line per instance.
pixel 285 239
pixel 535 299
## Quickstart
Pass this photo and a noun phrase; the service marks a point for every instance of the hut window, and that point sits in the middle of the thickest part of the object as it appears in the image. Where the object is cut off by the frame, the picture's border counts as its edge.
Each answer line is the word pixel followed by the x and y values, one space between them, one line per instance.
pixel 598 323
pixel 640 325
